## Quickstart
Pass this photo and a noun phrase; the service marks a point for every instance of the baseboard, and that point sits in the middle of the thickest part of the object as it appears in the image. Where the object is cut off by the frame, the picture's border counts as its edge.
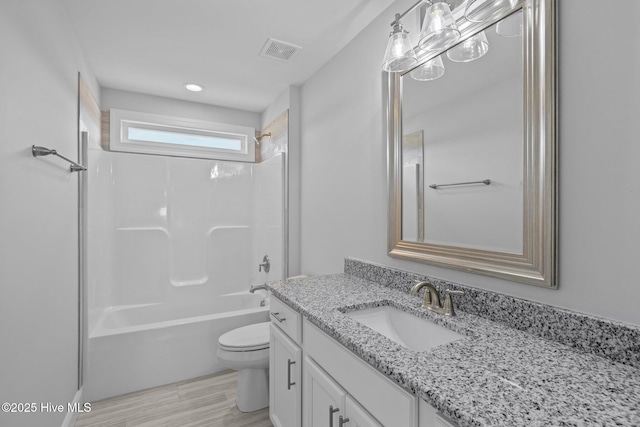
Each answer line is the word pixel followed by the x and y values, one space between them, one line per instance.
pixel 70 418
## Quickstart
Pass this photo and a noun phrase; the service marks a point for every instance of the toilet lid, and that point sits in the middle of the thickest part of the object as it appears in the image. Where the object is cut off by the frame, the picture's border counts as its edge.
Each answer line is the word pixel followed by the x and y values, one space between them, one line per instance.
pixel 246 338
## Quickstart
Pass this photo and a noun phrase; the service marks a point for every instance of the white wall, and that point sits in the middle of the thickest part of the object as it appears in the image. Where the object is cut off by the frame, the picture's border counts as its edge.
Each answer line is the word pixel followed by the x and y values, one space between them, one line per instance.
pixel 113 98
pixel 344 195
pixel 462 140
pixel 38 209
pixel 277 107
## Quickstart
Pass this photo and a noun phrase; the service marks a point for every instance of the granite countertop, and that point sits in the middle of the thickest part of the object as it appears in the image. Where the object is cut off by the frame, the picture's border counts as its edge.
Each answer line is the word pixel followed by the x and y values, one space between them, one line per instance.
pixel 496 376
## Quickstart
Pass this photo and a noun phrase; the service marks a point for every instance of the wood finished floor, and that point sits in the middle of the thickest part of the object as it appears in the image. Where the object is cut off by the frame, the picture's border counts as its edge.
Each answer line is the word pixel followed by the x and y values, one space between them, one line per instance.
pixel 200 402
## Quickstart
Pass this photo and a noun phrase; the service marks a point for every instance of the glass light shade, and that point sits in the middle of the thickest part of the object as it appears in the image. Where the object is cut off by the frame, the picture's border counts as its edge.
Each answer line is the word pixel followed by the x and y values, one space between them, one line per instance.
pixel 439 29
pixel 487 10
pixel 430 70
pixel 511 26
pixel 399 55
pixel 470 49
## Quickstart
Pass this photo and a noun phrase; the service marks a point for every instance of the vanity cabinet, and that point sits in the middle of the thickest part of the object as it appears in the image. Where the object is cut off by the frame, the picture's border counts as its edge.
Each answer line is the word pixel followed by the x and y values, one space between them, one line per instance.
pixel 285 367
pixel 386 402
pixel 324 400
pixel 326 404
pixel 316 381
pixel 356 416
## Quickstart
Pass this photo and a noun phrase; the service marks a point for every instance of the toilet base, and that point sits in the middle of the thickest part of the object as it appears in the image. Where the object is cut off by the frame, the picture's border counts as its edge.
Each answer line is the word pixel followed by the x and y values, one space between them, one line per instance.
pixel 253 389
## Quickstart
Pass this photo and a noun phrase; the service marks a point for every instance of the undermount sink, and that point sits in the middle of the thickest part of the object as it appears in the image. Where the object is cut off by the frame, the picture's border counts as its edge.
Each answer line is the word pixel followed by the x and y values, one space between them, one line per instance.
pixel 410 331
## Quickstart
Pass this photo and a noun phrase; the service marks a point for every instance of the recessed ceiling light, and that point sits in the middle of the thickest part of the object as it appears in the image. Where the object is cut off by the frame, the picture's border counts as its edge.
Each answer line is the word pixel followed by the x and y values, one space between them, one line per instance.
pixel 193 87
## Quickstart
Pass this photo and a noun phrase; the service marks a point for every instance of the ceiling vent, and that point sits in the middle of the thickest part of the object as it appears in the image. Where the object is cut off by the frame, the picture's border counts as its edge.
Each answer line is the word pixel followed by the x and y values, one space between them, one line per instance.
pixel 279 50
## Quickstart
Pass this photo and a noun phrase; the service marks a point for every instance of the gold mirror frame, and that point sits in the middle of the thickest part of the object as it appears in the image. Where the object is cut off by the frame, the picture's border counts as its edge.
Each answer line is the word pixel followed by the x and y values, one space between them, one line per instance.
pixel 537 265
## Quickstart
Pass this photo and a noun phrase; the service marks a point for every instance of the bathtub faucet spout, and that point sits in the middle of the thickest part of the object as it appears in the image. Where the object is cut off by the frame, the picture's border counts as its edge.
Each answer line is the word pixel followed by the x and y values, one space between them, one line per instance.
pixel 253 288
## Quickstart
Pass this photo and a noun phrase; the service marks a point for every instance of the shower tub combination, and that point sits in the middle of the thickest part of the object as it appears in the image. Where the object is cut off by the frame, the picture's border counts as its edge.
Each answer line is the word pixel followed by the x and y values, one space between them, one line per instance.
pixel 137 347
pixel 173 247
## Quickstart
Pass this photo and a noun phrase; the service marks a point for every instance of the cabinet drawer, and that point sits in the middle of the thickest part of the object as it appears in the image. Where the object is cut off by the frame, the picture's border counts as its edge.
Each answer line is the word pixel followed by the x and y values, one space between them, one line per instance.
pixel 385 400
pixel 286 318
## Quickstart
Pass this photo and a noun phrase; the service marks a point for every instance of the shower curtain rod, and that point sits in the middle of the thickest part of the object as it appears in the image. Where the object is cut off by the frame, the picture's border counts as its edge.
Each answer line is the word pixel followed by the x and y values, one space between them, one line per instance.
pixel 38 151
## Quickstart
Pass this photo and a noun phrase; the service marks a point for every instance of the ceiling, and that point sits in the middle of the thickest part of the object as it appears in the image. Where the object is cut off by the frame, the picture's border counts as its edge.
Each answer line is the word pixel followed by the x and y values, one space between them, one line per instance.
pixel 155 46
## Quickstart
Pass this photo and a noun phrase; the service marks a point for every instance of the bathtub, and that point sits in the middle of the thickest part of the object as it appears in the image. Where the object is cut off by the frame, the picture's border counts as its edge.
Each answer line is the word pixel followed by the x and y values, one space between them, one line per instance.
pixel 137 347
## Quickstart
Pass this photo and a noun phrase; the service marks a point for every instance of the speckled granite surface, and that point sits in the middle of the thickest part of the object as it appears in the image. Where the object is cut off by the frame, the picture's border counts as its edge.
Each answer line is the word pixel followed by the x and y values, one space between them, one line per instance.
pixel 496 376
pixel 614 340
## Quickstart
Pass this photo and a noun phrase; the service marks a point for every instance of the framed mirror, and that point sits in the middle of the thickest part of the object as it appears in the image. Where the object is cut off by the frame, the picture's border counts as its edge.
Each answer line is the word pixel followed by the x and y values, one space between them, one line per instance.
pixel 472 154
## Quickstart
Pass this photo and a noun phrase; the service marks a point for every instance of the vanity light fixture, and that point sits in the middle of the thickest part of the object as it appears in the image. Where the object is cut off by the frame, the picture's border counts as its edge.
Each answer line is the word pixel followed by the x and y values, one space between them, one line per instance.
pixel 399 55
pixel 193 87
pixel 439 30
pixel 430 70
pixel 486 10
pixel 470 49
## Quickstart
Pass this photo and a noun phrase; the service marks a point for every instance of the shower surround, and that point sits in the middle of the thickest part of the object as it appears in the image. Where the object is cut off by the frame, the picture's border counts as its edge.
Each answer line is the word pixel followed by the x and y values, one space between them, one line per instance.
pixel 174 235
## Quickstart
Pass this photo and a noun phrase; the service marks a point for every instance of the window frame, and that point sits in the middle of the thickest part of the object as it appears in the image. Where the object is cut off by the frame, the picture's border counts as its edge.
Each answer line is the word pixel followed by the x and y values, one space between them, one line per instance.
pixel 122 120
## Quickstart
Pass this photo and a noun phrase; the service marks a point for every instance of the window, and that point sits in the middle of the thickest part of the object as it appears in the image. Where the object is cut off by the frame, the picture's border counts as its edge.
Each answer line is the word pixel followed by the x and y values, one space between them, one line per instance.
pixel 172 136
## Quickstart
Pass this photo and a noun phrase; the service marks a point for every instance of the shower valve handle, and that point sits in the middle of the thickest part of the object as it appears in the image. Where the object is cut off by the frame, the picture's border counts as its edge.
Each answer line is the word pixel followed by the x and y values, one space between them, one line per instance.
pixel 266 264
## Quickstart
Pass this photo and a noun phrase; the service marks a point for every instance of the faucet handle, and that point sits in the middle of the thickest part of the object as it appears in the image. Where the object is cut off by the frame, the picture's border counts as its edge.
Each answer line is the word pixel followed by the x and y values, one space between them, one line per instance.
pixel 266 264
pixel 448 301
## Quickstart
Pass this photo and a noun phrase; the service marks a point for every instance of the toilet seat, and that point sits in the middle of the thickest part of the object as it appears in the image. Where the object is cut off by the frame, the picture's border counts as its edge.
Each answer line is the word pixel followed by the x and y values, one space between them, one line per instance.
pixel 246 338
pixel 246 349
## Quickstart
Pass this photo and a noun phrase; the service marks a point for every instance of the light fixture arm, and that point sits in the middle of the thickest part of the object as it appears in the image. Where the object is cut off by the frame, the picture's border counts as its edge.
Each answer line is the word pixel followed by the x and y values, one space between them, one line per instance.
pixel 399 16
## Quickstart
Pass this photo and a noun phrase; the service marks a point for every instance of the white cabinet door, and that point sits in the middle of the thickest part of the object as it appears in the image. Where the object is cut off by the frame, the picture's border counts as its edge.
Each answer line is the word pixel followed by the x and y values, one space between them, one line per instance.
pixel 285 374
pixel 386 401
pixel 430 417
pixel 323 399
pixel 356 416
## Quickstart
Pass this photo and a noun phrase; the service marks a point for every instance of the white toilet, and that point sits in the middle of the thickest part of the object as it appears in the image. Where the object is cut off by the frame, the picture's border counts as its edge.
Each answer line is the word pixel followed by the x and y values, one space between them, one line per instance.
pixel 246 349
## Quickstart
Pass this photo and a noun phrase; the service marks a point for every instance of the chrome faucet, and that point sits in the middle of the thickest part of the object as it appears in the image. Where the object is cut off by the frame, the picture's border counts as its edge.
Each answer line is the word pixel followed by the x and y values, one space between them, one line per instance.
pixel 253 288
pixel 431 295
pixel 432 298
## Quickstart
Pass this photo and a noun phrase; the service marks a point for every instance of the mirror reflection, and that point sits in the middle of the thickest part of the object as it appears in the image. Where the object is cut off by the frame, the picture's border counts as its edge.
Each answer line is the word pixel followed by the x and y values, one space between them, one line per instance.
pixel 462 151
